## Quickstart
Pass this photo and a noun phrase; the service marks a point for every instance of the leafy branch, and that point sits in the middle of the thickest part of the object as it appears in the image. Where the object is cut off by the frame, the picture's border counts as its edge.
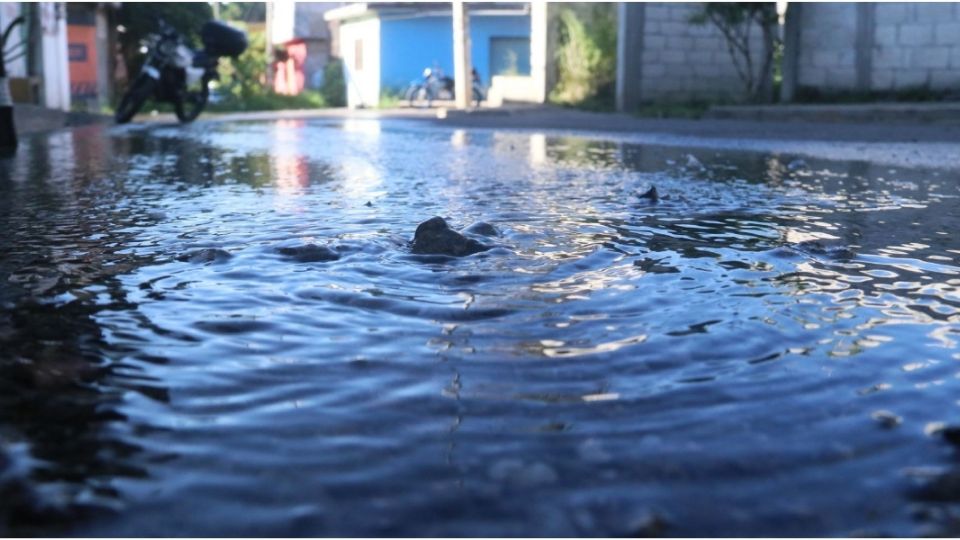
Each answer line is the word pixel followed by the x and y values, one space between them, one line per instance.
pixel 736 20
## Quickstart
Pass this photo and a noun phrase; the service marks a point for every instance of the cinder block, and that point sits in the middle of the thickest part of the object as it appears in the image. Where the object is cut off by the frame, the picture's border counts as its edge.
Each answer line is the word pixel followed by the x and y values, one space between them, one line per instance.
pixel 942 79
pixel 675 28
pixel 681 43
pixel 916 34
pixel 707 44
pixel 931 57
pixel 653 70
pixel 885 35
pixel 683 12
pixel 910 78
pixel 673 57
pixel 892 13
pixel 933 12
pixel 812 76
pixel 948 33
pixel 882 79
pixel 841 78
pixel 888 57
pixel 955 58
pixel 656 12
pixel 654 42
pixel 826 58
pixel 707 70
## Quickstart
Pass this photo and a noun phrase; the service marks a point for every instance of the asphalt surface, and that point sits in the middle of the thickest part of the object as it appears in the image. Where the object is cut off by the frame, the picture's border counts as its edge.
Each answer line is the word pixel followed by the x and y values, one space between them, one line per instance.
pixel 897 142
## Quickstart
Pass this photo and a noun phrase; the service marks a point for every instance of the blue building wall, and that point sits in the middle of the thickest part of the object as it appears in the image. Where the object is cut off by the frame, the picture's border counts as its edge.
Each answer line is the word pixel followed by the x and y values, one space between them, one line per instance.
pixel 409 45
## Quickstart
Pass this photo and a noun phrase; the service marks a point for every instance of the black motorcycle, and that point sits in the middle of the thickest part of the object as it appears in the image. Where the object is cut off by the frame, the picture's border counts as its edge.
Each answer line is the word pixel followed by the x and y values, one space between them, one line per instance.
pixel 175 73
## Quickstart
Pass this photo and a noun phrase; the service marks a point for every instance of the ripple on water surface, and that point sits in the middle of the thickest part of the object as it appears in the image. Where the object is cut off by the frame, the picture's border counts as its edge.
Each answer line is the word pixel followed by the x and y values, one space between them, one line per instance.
pixel 228 316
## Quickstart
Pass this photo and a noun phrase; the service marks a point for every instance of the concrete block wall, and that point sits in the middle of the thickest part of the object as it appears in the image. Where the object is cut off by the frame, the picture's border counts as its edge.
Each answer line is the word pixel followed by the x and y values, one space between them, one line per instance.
pixel 916 44
pixel 681 61
pixel 826 56
pixel 875 46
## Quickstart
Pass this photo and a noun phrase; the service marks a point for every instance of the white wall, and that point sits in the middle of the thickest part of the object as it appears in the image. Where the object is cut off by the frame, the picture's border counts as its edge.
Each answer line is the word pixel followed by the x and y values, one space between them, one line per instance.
pixel 363 86
pixel 56 70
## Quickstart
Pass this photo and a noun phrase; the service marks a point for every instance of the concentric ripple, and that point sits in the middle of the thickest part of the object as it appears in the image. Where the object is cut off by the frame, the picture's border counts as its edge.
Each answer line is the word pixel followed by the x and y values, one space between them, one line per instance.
pixel 763 352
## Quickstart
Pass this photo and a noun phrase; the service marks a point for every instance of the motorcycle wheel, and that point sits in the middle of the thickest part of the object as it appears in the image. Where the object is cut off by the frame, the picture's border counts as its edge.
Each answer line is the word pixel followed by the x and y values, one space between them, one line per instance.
pixel 411 95
pixel 192 102
pixel 134 98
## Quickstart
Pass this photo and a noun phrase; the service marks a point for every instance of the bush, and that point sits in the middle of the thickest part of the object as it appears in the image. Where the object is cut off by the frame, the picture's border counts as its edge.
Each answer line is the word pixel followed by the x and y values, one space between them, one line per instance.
pixel 244 77
pixel 334 87
pixel 243 84
pixel 586 57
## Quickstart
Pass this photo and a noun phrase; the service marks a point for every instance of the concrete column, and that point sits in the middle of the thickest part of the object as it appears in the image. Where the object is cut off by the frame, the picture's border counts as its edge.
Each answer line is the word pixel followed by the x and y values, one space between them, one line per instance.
pixel 539 49
pixel 630 21
pixel 268 35
pixel 866 25
pixel 56 70
pixel 104 75
pixel 791 51
pixel 462 79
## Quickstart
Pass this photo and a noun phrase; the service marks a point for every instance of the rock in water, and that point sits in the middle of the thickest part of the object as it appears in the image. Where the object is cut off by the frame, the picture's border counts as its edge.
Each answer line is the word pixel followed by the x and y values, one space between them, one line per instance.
pixel 482 228
pixel 309 253
pixel 206 256
pixel 435 237
pixel 651 194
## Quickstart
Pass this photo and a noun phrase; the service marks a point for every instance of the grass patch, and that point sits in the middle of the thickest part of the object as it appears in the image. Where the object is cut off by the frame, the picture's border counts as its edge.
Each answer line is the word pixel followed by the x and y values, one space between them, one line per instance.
pixel 913 94
pixel 308 99
pixel 390 98
pixel 693 110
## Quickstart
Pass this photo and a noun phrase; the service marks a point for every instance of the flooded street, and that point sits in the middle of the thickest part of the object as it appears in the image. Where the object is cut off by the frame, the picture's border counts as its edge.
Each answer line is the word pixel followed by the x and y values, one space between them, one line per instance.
pixel 768 350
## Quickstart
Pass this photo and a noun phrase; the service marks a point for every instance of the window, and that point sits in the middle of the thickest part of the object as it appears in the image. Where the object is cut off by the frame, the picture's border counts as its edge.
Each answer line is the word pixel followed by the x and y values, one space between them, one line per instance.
pixel 358 55
pixel 509 56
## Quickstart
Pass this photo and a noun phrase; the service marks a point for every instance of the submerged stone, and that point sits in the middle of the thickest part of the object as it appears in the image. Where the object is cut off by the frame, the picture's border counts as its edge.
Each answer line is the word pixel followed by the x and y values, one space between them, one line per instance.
pixel 653 266
pixel 651 194
pixel 482 228
pixel 886 419
pixel 951 434
pixel 205 256
pixel 309 253
pixel 435 237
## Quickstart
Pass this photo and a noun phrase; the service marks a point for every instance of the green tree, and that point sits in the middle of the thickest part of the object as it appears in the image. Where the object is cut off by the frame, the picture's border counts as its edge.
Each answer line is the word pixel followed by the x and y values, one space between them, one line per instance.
pixel 140 19
pixel 736 21
pixel 586 56
pixel 244 77
pixel 334 88
pixel 243 11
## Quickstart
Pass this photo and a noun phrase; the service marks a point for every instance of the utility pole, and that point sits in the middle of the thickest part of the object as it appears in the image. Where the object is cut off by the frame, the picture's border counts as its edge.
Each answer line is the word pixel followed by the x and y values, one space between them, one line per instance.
pixel 462 72
pixel 268 31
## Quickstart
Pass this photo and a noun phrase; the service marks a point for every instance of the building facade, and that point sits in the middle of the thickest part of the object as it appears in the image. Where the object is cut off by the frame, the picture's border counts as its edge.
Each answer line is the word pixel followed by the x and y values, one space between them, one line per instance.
pixel 385 46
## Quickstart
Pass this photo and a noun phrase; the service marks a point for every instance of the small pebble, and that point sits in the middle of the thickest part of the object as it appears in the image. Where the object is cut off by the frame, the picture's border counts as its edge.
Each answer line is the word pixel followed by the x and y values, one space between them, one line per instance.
pixel 796 165
pixel 206 256
pixel 309 253
pixel 886 419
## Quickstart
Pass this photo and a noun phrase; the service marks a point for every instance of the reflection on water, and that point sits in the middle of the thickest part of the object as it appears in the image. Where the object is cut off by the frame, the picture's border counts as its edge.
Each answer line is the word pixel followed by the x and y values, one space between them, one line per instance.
pixel 715 363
